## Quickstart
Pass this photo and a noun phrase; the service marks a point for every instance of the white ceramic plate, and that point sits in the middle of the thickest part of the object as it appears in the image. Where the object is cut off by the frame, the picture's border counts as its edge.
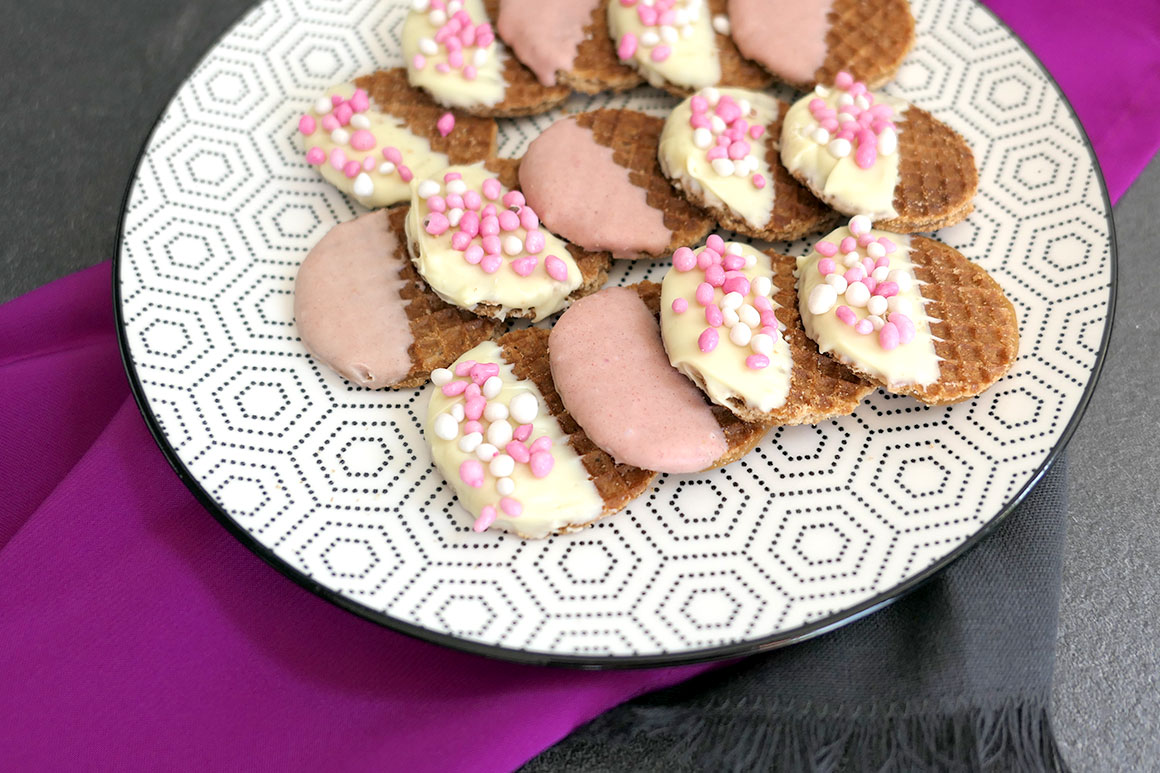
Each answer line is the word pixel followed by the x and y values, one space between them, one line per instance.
pixel 334 486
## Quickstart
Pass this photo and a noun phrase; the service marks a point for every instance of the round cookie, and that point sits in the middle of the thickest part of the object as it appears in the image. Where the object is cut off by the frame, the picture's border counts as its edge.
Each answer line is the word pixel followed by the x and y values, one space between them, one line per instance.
pixel 362 310
pixel 906 312
pixel 370 138
pixel 806 42
pixel 595 179
pixel 612 373
pixel 515 458
pixel 680 45
pixel 875 155
pixel 452 53
pixel 729 322
pixel 480 247
pixel 720 148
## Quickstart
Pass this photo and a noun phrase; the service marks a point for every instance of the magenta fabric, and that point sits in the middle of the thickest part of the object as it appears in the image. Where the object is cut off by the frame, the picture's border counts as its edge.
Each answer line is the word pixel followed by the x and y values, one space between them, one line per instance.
pixel 136 633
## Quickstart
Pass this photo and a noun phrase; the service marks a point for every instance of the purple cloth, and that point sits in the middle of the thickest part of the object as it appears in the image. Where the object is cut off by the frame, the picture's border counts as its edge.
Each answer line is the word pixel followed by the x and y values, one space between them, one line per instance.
pixel 136 633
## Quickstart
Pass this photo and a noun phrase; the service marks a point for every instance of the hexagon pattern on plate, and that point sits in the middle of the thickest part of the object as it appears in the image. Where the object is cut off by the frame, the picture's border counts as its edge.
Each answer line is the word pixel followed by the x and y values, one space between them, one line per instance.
pixel 337 481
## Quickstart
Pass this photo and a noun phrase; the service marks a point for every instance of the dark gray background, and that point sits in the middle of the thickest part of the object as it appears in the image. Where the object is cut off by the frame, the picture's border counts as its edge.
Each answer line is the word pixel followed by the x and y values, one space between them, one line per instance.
pixel 82 82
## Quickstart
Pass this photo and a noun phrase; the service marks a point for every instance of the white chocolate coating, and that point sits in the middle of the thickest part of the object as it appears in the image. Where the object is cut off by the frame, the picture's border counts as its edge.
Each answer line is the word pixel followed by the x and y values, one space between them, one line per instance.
pixel 693 61
pixel 452 88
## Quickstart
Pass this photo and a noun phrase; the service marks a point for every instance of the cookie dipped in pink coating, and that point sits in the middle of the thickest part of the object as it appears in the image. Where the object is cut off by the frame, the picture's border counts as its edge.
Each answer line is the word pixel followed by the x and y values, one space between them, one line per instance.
pixel 583 195
pixel 613 376
pixel 787 37
pixel 348 306
pixel 545 34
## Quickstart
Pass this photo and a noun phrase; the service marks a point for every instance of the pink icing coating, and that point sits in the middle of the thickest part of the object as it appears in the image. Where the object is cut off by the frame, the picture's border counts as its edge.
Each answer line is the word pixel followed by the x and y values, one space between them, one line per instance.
pixel 545 34
pixel 613 375
pixel 788 37
pixel 347 304
pixel 560 169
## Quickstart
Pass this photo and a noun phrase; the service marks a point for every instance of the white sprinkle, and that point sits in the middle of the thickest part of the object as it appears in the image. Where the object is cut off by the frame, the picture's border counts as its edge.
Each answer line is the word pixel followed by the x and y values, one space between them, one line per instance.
pixel 458 187
pixel 875 250
pixel 821 91
pixel 649 38
pixel 479 58
pixel 441 376
pixel 900 278
pixel 820 136
pixel 723 167
pixel 363 185
pixel 420 6
pixel 749 315
pixel 881 273
pixel 741 334
pixel 453 7
pixel 669 34
pixel 857 294
pixel 750 261
pixel 822 299
pixel 505 487
pixel 495 411
pixel 437 18
pixel 469 442
pixel 386 168
pixel 721 24
pixel 340 136
pixel 680 17
pixel 499 433
pixel 876 305
pixel 502 466
pixel 859 225
pixel 360 121
pixel 428 46
pixel 900 305
pixel 732 301
pixel 512 245
pixel 524 408
pixel 742 167
pixel 733 248
pixel 702 138
pixel 453 215
pixel 762 285
pixel 731 318
pixel 446 427
pixel 687 30
pixel 711 95
pixel 491 388
pixel 861 102
pixel 845 99
pixel 876 321
pixel 762 343
pixel 427 189
pixel 458 412
pixel 322 105
pixel 851 260
pixel 717 124
pixel 744 106
pixel 888 142
pixel 485 452
pixel 836 281
pixel 839 148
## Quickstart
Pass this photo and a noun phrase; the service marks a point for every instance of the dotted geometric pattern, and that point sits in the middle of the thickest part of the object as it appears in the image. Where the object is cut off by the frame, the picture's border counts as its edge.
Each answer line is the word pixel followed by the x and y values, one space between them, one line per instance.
pixel 337 480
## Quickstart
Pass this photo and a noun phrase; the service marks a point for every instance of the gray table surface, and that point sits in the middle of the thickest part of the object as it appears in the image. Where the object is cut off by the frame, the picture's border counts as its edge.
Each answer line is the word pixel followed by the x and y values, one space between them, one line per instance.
pixel 79 103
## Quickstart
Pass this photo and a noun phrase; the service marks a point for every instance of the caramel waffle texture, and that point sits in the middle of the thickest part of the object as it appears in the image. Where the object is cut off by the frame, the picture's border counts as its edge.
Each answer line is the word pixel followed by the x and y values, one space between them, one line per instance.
pixel 524 94
pixel 596 67
pixel 868 39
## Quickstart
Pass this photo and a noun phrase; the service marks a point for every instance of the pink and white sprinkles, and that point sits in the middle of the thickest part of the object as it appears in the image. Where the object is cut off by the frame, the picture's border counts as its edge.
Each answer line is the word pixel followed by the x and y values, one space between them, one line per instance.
pixel 858 125
pixel 867 283
pixel 484 425
pixel 463 45
pixel 721 128
pixel 666 22
pixel 349 127
pixel 483 232
pixel 730 300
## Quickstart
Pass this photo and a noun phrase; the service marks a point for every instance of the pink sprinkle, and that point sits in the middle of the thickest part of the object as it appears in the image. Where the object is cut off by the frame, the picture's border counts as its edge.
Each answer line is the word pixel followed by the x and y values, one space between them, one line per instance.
pixel 406 174
pixel 667 18
pixel 817 105
pixel 830 124
pixel 393 155
pixel 707 341
pixel 335 100
pixel 529 219
pixel 450 176
pixel 715 243
pixel 684 259
pixel 700 121
pixel 728 110
pixel 556 268
pixel 707 258
pixel 474 254
pixel 626 47
pixel 479 374
pixel 871 284
pixel 534 242
pixel 844 80
pixel 704 293
pixel 513 199
pixel 713 315
pixel 888 336
pixel 329 123
pixel 733 262
pixel 473 409
pixel 306 125
pixel 464 368
pixel 454 388
pixel 460 240
pixel 508 220
pixel 864 327
pixel 868 265
pixel 848 245
pixel 489 225
pixel 737 284
pixel 491 262
pixel 491 188
pixel 486 518
pixel 888 289
pixel 472 426
pixel 698 104
pixel 471 473
pixel 467 36
pixel 443 68
pixel 418 61
pixel 360 101
pixel 525 266
pixel 351 169
pixel 542 445
pixel 680 305
pixel 715 275
pixel 755 131
pixel 762 303
pixel 436 203
pixel 716 152
pixel 470 73
pixel 542 463
pixel 522 432
pixel 826 248
pixel 491 243
pixel 471 200
pixel 723 140
pixel 362 140
pixel 369 164
pixel 316 156
pixel 826 266
pixel 756 361
pixel 455 58
pixel 518 451
pixel 628 3
pixel 846 314
pixel 338 158
pixel 445 123
pixel 469 223
pixel 437 224
pixel 454 201
pixel 856 274
pixel 343 113
pixel 738 150
pixel 660 53
pixel 769 319
pixel 647 14
pixel 887 245
pixel 905 327
pixel 758 181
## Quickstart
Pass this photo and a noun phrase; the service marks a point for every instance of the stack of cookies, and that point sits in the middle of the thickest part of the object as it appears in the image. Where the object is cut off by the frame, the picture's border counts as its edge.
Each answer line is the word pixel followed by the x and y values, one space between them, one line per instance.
pixel 543 429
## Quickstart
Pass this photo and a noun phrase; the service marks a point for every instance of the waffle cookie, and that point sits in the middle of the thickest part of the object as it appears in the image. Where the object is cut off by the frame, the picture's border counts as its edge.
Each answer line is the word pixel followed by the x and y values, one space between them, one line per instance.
pixel 810 42
pixel 595 179
pixel 720 148
pixel 562 41
pixel 613 375
pixel 480 247
pixel 514 456
pixel 452 53
pixel 362 309
pixel 906 312
pixel 681 45
pixel 729 322
pixel 370 138
pixel 872 154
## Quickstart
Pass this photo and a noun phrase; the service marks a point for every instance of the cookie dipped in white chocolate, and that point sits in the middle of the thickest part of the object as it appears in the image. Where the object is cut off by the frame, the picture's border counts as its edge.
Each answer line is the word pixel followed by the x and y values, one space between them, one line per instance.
pixel 842 144
pixel 475 243
pixel 714 145
pixel 861 303
pixel 452 53
pixel 494 440
pixel 719 326
pixel 670 41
